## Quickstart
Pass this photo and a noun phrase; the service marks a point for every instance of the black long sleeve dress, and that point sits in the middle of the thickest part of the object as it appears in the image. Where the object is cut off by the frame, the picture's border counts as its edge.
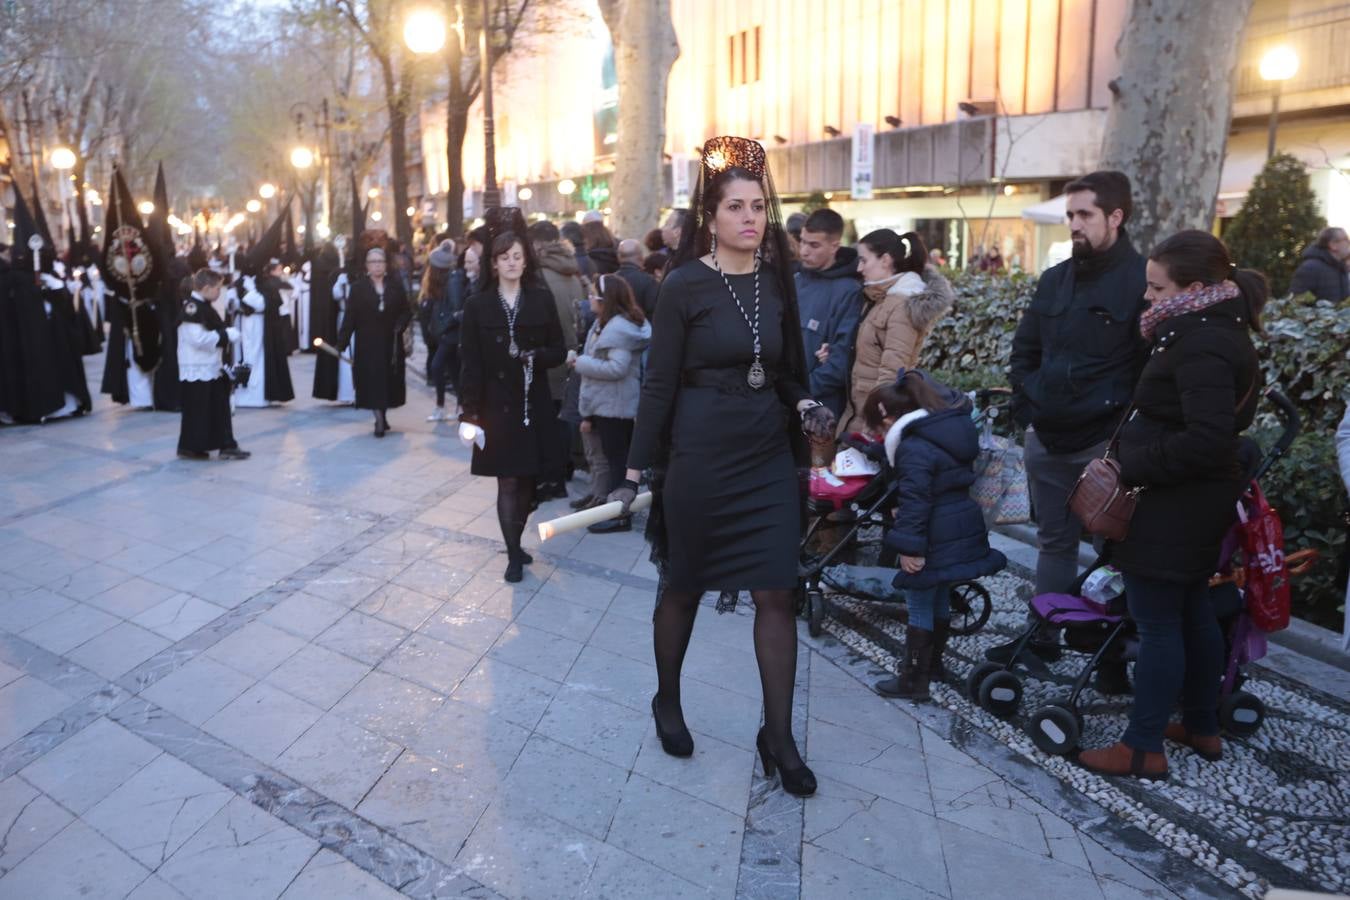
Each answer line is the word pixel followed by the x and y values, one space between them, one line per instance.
pixel 378 326
pixel 730 500
pixel 492 384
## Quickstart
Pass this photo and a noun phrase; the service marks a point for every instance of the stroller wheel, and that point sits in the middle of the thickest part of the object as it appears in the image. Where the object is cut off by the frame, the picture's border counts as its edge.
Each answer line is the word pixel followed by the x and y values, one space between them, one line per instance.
pixel 1000 693
pixel 815 613
pixel 1055 729
pixel 1241 714
pixel 977 675
pixel 971 607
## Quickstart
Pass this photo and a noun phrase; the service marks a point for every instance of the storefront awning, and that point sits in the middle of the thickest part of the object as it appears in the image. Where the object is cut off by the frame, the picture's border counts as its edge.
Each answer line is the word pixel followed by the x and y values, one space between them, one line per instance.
pixel 1051 212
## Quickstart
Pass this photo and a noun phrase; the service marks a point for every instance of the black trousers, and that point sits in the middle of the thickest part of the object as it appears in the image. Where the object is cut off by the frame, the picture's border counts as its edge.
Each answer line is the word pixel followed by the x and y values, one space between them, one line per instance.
pixel 615 437
pixel 206 416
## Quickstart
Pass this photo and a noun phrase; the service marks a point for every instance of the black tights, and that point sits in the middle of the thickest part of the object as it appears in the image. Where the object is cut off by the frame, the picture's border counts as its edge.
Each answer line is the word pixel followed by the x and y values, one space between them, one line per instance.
pixel 514 498
pixel 380 420
pixel 775 651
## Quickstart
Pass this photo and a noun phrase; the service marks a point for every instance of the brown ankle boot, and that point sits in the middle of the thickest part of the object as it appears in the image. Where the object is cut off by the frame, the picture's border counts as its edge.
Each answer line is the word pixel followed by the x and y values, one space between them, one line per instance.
pixel 912 681
pixel 1122 759
pixel 942 629
pixel 1207 746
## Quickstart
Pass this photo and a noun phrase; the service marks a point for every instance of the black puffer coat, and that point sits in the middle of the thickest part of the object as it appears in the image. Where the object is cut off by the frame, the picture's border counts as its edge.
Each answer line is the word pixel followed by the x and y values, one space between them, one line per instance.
pixel 1322 275
pixel 1182 443
pixel 936 518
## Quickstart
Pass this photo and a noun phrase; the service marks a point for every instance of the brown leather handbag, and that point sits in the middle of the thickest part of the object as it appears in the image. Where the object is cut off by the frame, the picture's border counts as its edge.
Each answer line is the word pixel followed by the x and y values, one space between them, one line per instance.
pixel 1100 499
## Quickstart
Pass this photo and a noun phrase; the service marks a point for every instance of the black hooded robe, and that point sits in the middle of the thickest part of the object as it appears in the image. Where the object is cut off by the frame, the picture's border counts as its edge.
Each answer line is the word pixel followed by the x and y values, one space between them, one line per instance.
pixel 325 325
pixel 277 387
pixel 65 336
pixel 168 389
pixel 31 357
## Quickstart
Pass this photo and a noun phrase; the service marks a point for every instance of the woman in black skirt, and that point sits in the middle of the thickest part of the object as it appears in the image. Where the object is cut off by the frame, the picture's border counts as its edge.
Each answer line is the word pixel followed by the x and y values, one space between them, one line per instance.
pixel 509 338
pixel 377 314
pixel 722 421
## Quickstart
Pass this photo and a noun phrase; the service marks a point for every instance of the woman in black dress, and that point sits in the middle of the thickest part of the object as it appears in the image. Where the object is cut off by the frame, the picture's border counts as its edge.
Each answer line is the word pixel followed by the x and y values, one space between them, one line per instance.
pixel 721 422
pixel 510 337
pixel 377 314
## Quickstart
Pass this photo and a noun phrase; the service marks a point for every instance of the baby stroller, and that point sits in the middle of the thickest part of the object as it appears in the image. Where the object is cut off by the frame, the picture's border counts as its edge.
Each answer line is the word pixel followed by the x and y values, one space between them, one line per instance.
pixel 1104 632
pixel 867 501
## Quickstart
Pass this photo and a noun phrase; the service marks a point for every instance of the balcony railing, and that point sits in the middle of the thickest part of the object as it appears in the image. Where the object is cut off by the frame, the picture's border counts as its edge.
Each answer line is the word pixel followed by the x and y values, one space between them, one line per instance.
pixel 1321 39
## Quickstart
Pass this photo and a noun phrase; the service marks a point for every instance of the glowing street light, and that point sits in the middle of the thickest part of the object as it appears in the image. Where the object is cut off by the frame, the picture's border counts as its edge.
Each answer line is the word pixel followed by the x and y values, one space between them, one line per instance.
pixel 323 230
pixel 567 187
pixel 424 31
pixel 376 216
pixel 145 207
pixel 1278 65
pixel 302 157
pixel 373 193
pixel 410 211
pixel 524 194
pixel 253 206
pixel 63 159
pixel 267 191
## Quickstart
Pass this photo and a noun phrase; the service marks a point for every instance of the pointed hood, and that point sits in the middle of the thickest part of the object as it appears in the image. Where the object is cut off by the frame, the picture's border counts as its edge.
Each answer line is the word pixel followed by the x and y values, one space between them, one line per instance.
pixel 257 256
pixel 290 255
pixel 197 258
pixel 159 230
pixel 25 227
pixel 48 243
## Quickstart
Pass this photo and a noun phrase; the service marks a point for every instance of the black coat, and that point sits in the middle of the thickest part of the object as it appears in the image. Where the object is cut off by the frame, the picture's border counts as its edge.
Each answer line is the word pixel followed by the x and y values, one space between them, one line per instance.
pixel 1077 351
pixel 1182 443
pixel 379 364
pixel 277 385
pixel 324 324
pixel 644 288
pixel 935 517
pixel 492 384
pixel 1322 275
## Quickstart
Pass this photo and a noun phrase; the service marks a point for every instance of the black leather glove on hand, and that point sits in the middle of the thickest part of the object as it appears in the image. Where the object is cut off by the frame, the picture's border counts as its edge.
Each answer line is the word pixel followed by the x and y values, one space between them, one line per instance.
pixel 625 494
pixel 818 423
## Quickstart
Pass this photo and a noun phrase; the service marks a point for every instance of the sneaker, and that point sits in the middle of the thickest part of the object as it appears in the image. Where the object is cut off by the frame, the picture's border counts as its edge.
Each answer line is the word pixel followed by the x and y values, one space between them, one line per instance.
pixel 234 453
pixel 438 416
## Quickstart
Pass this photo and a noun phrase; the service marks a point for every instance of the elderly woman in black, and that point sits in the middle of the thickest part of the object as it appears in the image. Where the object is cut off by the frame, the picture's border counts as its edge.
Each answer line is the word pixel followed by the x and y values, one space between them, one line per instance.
pixel 1197 394
pixel 509 338
pixel 378 312
pixel 722 415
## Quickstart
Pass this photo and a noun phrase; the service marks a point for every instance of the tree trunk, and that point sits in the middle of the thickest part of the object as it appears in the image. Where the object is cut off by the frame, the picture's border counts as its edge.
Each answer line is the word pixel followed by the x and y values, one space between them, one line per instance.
pixel 456 126
pixel 1168 123
pixel 398 172
pixel 645 49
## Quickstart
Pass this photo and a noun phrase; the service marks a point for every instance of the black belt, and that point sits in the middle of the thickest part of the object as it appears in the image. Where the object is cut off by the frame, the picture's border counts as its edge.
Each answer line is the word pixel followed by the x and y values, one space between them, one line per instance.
pixel 731 380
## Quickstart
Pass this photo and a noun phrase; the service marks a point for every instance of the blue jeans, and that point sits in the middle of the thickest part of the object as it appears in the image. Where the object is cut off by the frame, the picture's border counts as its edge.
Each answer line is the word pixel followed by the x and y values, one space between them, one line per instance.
pixel 445 367
pixel 1181 651
pixel 926 605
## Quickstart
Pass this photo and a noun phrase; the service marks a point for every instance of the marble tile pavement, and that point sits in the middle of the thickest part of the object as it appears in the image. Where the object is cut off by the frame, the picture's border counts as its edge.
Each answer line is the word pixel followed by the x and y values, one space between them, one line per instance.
pixel 301 676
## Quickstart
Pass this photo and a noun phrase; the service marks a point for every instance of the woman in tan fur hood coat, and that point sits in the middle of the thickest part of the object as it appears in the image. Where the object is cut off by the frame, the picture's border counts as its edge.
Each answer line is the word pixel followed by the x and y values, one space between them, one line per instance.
pixel 905 298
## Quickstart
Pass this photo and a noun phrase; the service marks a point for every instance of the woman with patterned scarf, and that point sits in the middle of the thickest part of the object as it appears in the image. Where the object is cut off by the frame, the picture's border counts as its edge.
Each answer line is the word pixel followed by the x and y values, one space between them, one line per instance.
pixel 1198 392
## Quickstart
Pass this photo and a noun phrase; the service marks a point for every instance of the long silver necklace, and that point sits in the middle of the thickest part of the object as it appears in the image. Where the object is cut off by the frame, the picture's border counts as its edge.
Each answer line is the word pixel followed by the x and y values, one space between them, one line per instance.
pixel 756 377
pixel 513 349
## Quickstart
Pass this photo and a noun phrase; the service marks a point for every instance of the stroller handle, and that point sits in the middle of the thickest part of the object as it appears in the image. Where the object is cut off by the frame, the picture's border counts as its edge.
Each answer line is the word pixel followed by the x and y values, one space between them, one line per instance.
pixel 1291 424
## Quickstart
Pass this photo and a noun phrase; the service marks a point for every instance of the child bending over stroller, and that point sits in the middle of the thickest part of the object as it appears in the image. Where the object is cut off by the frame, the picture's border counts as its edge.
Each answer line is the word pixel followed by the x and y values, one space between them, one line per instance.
pixel 939 531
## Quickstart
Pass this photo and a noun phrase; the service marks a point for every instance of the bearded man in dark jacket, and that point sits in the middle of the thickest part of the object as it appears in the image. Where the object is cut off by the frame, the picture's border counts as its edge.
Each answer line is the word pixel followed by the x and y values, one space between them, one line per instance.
pixel 829 297
pixel 1322 272
pixel 1076 356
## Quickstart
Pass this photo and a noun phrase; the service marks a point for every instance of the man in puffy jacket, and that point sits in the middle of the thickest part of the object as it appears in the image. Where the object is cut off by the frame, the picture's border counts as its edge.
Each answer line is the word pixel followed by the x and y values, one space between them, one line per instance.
pixel 1076 356
pixel 1322 272
pixel 558 265
pixel 829 298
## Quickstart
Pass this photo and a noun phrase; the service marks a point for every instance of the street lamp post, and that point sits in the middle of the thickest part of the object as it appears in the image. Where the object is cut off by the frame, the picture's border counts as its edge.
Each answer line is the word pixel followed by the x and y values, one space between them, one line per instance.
pixel 1278 65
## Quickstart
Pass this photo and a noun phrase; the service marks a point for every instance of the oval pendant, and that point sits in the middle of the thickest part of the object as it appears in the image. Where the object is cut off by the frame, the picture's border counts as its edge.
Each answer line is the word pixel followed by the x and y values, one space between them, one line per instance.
pixel 513 351
pixel 756 377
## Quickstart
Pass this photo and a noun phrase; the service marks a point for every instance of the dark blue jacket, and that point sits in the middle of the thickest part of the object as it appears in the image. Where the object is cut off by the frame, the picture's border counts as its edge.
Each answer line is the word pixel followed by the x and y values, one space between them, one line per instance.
pixel 830 302
pixel 936 519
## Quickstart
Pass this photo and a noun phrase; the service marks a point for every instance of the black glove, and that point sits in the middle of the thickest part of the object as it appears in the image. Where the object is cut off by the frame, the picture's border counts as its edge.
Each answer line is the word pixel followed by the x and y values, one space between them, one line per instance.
pixel 624 493
pixel 818 423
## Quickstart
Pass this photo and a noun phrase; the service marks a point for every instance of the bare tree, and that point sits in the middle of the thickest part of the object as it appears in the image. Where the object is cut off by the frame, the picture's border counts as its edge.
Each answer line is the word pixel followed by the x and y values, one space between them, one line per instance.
pixel 645 49
pixel 1167 127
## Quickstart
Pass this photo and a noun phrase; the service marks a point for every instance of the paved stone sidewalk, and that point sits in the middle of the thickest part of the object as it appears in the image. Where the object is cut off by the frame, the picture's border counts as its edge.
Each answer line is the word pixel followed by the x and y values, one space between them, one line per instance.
pixel 302 676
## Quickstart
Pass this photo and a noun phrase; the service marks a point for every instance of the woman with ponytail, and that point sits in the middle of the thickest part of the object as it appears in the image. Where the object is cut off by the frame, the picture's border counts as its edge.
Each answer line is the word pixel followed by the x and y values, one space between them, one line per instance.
pixel 1198 392
pixel 904 298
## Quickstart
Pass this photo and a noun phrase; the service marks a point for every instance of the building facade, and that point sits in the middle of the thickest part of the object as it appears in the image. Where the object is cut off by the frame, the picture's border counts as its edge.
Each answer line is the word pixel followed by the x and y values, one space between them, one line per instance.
pixel 978 110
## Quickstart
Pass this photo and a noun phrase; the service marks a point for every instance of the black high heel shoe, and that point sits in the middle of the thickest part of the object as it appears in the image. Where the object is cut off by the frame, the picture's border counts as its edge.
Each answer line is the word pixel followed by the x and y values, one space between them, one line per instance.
pixel 799 782
pixel 679 743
